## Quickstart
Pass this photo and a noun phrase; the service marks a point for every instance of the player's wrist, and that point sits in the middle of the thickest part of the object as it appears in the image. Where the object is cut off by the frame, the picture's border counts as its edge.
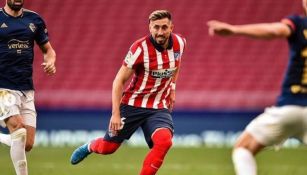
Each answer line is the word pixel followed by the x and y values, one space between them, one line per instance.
pixel 173 86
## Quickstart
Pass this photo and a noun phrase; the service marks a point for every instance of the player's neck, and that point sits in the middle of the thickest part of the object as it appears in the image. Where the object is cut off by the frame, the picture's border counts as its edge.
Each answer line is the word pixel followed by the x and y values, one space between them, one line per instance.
pixel 11 12
pixel 165 46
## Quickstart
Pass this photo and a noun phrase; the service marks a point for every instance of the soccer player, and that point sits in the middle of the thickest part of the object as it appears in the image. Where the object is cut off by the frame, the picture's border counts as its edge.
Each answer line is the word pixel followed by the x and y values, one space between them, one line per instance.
pixel 289 117
pixel 19 29
pixel 154 62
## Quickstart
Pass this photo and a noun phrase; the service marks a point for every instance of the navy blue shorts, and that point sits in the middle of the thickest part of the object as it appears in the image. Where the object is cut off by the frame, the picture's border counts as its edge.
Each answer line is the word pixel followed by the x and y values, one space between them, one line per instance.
pixel 148 119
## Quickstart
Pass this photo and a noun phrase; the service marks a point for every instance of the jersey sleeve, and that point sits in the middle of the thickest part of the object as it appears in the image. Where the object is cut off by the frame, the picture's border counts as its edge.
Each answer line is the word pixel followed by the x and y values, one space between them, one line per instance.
pixel 293 21
pixel 133 57
pixel 41 36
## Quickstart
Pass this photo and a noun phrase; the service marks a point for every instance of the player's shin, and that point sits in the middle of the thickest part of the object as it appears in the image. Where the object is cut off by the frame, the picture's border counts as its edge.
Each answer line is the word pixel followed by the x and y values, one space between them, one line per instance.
pixel 244 162
pixel 101 146
pixel 162 140
pixel 17 151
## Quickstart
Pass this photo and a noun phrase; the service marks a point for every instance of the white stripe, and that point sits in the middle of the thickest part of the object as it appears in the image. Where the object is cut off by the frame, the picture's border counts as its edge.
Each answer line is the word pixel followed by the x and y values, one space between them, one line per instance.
pixel 146 73
pixel 158 81
pixel 181 44
pixel 159 94
pixel 171 58
pixel 134 57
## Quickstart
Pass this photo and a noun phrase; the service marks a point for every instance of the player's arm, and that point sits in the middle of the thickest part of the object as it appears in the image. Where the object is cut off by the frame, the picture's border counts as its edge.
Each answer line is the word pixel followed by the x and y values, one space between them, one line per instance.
pixel 173 89
pixel 49 58
pixel 121 78
pixel 261 30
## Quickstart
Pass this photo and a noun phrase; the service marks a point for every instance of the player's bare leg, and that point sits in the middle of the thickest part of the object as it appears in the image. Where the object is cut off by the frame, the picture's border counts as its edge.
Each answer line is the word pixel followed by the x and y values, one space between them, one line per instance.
pixel 243 155
pixel 6 138
pixel 18 144
pixel 30 137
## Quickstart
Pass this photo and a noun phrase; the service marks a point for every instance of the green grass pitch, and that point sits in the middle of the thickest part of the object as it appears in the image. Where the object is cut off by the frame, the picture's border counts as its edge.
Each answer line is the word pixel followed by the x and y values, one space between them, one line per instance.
pixel 179 161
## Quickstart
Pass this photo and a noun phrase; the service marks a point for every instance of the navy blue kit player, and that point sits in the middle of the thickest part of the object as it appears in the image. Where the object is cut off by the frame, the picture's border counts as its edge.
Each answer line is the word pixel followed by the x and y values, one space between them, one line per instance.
pixel 19 30
pixel 288 118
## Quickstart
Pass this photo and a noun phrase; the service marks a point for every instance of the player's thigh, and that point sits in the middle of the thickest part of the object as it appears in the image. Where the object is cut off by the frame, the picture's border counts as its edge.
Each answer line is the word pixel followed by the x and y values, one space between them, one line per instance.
pixel 158 119
pixel 247 141
pixel 14 123
pixel 133 118
pixel 27 110
pixel 276 125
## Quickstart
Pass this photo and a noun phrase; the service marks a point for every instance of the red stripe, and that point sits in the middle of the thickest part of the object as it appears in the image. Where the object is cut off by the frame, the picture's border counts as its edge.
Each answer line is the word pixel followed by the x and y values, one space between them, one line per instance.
pixel 176 48
pixel 136 80
pixel 153 64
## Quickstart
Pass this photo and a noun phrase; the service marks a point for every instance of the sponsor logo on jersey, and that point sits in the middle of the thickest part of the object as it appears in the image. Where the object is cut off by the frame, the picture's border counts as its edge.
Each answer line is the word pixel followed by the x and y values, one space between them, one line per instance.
pixel 163 73
pixel 32 27
pixel 295 89
pixel 17 44
pixel 305 33
pixel 3 25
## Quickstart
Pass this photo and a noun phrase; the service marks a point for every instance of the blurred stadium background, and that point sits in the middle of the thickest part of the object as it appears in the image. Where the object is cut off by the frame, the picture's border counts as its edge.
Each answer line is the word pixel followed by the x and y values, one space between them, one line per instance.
pixel 223 83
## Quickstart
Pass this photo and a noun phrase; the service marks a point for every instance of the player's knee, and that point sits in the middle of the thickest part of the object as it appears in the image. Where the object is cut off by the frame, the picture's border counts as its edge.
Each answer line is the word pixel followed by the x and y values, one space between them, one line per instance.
pixel 19 134
pixel 163 139
pixel 15 126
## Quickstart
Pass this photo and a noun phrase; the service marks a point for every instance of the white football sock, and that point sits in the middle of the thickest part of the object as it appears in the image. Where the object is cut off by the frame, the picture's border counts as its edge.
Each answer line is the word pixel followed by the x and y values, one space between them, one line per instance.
pixel 6 139
pixel 244 162
pixel 18 154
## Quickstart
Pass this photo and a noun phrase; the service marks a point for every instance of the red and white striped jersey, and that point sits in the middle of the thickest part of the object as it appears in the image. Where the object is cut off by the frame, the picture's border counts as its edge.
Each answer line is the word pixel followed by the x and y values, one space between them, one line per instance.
pixel 154 68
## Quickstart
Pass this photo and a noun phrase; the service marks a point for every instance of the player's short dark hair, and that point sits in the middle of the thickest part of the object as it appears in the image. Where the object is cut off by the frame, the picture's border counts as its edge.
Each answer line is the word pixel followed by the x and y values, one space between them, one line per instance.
pixel 159 14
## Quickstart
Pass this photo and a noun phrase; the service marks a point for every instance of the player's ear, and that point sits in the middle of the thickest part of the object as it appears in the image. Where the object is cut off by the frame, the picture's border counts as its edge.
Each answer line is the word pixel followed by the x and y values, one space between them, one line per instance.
pixel 172 26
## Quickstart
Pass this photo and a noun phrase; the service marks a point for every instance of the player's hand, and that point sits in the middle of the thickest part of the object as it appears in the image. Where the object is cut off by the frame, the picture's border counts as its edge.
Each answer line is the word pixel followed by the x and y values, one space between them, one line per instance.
pixel 172 100
pixel 220 28
pixel 116 124
pixel 49 67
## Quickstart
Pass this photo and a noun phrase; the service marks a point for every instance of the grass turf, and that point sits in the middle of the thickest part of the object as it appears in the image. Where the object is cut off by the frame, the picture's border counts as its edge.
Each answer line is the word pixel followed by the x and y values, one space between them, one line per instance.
pixel 179 161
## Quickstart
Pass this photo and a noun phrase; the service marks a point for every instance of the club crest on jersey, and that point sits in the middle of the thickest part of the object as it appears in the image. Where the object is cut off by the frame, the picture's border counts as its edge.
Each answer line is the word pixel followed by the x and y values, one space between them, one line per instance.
pixel 32 27
pixel 128 56
pixel 163 73
pixel 176 55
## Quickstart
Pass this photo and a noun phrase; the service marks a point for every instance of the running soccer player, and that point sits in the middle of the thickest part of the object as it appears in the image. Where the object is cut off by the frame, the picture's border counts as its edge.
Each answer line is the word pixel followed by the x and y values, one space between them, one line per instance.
pixel 19 29
pixel 154 61
pixel 289 117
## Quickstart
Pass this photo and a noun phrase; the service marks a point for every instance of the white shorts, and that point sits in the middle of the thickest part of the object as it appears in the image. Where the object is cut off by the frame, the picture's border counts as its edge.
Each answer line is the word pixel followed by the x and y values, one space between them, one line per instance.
pixel 14 102
pixel 277 124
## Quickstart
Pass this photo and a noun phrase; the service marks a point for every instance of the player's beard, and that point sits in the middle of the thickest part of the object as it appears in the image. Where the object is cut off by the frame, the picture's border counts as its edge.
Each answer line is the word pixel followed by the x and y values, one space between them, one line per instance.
pixel 161 40
pixel 15 7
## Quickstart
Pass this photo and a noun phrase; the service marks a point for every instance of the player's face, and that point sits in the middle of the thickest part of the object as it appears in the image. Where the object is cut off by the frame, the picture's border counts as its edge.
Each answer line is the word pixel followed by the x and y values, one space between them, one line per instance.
pixel 15 5
pixel 161 30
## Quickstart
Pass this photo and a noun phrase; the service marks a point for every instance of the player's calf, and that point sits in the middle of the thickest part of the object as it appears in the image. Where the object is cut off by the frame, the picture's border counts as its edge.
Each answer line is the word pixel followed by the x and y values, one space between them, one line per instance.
pixel 162 140
pixel 17 152
pixel 101 146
